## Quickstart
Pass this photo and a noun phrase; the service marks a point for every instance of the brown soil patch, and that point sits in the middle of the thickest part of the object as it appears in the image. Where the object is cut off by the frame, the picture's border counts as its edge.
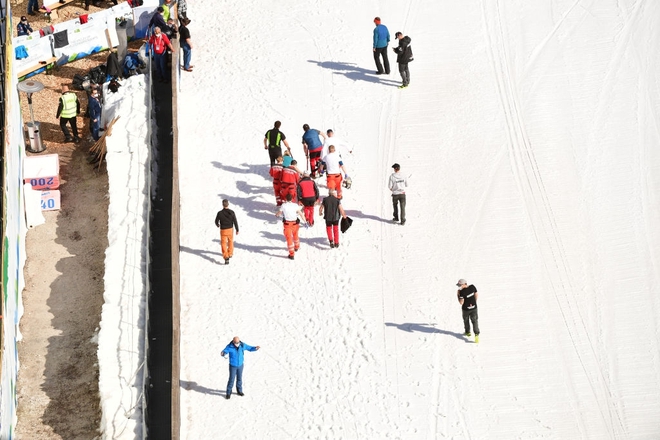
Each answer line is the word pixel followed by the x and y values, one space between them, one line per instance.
pixel 58 394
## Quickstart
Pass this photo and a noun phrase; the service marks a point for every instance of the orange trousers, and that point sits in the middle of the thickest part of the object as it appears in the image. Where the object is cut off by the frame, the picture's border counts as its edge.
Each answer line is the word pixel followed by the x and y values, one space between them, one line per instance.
pixel 227 242
pixel 291 234
pixel 334 181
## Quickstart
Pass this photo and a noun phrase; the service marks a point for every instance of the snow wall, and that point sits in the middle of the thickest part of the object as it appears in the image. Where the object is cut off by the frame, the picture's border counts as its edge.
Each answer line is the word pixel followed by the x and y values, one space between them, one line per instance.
pixel 122 337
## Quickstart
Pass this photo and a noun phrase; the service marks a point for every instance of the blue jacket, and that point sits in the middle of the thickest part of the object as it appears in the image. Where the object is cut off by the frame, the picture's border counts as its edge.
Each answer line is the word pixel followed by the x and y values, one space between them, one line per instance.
pixel 94 107
pixel 381 36
pixel 236 354
pixel 312 140
pixel 23 29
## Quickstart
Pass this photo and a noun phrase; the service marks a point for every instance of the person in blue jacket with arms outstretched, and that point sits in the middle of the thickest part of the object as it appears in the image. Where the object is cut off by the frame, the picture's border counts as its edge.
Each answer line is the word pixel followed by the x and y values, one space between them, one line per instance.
pixel 235 350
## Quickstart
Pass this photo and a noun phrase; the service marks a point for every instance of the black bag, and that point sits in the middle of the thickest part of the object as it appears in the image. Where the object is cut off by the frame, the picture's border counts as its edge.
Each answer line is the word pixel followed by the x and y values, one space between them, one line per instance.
pixel 345 224
pixel 97 75
pixel 78 81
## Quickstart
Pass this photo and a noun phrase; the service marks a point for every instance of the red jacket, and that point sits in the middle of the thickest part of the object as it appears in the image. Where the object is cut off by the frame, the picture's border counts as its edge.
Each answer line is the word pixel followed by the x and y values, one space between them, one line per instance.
pixel 290 176
pixel 159 42
pixel 276 172
pixel 307 189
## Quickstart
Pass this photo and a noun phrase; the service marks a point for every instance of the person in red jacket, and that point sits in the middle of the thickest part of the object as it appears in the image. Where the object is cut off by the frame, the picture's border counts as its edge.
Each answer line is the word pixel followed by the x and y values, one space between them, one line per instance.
pixel 308 196
pixel 160 43
pixel 276 173
pixel 290 178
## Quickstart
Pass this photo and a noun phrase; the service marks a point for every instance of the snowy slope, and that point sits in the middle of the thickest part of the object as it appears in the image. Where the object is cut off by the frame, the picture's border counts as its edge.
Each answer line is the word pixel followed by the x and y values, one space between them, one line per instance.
pixel 530 135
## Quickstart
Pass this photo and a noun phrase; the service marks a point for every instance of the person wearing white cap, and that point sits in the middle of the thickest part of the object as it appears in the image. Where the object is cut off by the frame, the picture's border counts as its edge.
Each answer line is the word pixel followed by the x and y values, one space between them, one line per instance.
pixel 467 297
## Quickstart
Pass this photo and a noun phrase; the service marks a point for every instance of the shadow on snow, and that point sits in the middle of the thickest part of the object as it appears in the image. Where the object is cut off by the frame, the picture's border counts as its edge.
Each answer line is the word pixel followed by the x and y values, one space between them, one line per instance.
pixel 353 72
pixel 424 328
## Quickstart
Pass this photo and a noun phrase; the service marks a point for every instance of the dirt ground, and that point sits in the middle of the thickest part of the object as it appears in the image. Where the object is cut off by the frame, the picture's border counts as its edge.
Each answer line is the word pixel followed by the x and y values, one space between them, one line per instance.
pixel 58 396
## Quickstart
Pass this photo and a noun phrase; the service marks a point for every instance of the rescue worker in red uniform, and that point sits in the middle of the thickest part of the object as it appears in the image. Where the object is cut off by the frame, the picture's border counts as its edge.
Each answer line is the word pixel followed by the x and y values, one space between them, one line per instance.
pixel 308 196
pixel 289 181
pixel 290 213
pixel 276 173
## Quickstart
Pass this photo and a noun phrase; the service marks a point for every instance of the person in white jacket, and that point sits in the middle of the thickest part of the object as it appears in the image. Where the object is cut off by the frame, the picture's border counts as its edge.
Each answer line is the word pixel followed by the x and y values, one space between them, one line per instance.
pixel 335 169
pixel 342 147
pixel 397 185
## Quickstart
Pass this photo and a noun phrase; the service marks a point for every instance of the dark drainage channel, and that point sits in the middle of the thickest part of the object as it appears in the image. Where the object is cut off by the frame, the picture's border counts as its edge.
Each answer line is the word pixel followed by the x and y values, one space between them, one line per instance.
pixel 159 329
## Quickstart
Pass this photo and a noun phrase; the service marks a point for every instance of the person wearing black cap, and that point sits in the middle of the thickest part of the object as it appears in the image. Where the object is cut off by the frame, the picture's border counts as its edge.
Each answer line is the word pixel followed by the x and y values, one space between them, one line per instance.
pixel 397 185
pixel 403 56
pixel 381 40
pixel 467 298
pixel 24 27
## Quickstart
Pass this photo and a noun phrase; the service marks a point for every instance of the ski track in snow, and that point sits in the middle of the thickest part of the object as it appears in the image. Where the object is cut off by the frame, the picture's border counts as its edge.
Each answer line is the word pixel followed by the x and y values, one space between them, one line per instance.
pixel 529 135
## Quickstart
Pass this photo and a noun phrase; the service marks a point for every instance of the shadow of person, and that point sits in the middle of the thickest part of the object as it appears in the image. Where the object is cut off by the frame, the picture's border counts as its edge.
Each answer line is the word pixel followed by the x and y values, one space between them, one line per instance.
pixel 317 242
pixel 257 249
pixel 424 328
pixel 203 253
pixel 259 170
pixel 358 214
pixel 253 208
pixel 353 72
pixel 194 386
pixel 246 188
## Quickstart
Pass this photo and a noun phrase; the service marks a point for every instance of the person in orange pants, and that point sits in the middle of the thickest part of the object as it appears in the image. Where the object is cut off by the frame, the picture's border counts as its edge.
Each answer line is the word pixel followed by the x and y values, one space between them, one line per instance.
pixel 276 173
pixel 334 167
pixel 226 221
pixel 291 214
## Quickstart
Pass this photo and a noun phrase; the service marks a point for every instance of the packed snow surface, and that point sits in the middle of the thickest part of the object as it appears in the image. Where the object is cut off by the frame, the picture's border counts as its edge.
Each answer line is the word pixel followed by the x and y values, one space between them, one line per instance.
pixel 530 136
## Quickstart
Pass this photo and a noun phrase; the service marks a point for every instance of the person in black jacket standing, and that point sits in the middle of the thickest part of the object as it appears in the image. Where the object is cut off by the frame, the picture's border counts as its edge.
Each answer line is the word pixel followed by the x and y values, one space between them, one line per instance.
pixel 226 221
pixel 186 44
pixel 403 57
pixel 467 298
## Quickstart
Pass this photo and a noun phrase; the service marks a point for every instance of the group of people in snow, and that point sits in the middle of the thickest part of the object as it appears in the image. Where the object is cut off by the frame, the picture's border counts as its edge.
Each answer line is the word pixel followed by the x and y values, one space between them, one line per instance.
pixel 296 192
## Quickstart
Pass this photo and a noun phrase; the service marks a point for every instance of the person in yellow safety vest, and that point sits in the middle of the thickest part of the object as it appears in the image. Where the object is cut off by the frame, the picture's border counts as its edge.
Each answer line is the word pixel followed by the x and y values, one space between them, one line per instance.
pixel 67 111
